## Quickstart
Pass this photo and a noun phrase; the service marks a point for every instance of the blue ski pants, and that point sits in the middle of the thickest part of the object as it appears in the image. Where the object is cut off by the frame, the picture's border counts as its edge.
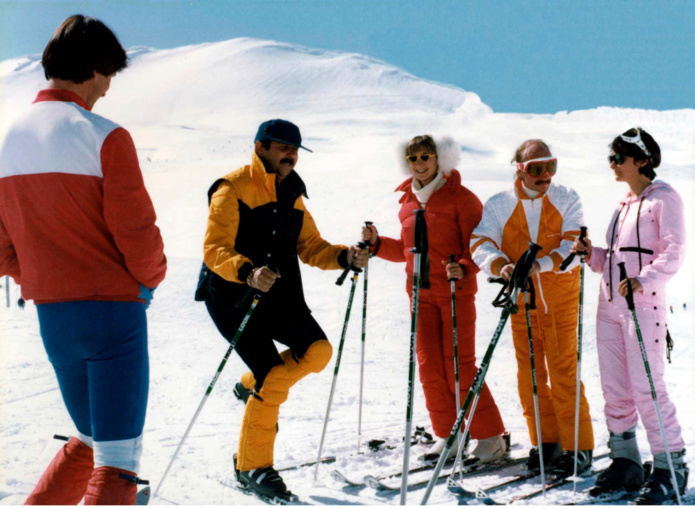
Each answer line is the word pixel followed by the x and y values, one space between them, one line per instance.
pixel 99 352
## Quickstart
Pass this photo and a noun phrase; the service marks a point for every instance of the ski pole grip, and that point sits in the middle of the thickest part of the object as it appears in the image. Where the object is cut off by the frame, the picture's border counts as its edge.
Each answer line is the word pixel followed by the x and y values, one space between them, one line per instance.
pixel 628 296
pixel 452 259
pixel 496 280
pixel 419 230
pixel 343 276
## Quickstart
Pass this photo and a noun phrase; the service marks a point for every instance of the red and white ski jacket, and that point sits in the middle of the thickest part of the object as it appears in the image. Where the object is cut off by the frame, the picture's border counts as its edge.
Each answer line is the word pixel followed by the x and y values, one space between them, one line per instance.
pixel 76 222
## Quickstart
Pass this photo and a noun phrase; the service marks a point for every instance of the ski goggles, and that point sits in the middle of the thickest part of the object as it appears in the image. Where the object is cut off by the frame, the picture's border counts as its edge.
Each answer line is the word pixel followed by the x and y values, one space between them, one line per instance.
pixel 633 136
pixel 538 167
pixel 618 158
pixel 423 157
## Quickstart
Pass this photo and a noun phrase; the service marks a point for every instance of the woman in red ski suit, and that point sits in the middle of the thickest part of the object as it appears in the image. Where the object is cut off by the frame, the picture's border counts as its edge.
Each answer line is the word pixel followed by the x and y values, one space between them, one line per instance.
pixel 451 213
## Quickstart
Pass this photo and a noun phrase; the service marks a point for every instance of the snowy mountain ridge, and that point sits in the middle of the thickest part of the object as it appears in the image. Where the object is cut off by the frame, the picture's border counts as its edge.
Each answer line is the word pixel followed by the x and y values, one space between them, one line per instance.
pixel 193 112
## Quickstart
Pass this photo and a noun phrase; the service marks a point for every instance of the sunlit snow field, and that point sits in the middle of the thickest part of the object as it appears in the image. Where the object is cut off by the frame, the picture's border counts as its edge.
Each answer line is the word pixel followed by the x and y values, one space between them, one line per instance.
pixel 193 112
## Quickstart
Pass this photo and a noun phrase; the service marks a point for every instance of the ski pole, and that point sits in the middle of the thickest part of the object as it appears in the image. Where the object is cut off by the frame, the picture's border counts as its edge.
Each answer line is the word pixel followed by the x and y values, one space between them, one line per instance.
pixel 580 326
pixel 7 291
pixel 364 335
pixel 509 306
pixel 232 345
pixel 452 259
pixel 631 306
pixel 420 237
pixel 337 368
pixel 530 306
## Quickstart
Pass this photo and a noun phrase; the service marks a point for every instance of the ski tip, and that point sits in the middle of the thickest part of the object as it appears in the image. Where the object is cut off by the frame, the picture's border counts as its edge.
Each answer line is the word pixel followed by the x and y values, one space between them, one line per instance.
pixel 143 496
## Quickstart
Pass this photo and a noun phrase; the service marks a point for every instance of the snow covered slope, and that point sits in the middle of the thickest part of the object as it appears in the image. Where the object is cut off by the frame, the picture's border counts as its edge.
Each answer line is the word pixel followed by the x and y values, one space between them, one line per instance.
pixel 193 112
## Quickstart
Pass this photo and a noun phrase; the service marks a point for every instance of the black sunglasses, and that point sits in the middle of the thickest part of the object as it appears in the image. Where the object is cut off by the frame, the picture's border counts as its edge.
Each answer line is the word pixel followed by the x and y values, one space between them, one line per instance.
pixel 618 158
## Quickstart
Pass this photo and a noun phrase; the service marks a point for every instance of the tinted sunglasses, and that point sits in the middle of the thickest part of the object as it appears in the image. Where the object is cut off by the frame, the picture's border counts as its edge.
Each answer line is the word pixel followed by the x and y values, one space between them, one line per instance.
pixel 423 157
pixel 633 136
pixel 618 158
pixel 538 167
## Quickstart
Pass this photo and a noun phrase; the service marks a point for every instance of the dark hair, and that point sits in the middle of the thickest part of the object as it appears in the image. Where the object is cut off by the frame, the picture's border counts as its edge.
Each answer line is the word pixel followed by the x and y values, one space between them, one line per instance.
pixel 622 147
pixel 421 143
pixel 523 146
pixel 265 143
pixel 80 47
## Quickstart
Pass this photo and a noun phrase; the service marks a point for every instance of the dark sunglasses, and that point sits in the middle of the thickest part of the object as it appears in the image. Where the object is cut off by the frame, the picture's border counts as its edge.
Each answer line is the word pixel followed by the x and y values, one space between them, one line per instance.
pixel 618 158
pixel 423 157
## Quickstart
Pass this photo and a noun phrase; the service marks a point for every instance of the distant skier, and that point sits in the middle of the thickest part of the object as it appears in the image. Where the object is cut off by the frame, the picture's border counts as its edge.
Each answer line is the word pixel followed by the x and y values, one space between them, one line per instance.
pixel 77 229
pixel 550 215
pixel 257 231
pixel 670 307
pixel 647 233
pixel 451 213
pixel 684 307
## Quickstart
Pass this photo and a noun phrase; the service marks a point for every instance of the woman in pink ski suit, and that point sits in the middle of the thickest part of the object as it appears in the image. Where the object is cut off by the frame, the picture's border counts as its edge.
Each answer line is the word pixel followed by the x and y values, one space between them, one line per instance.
pixel 647 233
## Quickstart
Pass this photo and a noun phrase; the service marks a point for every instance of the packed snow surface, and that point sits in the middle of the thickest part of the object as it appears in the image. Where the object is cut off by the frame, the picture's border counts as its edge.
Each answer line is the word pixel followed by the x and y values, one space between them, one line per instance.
pixel 193 112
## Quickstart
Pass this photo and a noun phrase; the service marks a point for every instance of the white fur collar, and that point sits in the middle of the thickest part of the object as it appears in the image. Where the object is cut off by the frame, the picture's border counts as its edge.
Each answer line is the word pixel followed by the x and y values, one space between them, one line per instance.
pixel 448 155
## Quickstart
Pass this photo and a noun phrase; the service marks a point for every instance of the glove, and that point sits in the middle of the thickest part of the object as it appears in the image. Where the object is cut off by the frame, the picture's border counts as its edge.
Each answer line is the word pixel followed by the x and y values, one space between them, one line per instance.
pixel 146 294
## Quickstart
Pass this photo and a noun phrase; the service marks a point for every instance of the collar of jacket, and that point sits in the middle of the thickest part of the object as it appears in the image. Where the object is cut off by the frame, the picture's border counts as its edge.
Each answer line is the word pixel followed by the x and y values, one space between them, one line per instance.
pixel 656 184
pixel 293 180
pixel 520 194
pixel 453 180
pixel 58 95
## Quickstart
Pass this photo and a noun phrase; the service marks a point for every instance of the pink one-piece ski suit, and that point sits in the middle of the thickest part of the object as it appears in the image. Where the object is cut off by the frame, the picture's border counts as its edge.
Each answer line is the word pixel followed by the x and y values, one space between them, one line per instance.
pixel 647 233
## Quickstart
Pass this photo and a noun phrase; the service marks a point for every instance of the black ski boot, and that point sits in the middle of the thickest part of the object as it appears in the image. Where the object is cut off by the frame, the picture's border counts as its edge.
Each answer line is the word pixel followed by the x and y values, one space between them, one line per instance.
pixel 551 453
pixel 622 474
pixel 659 488
pixel 264 482
pixel 564 468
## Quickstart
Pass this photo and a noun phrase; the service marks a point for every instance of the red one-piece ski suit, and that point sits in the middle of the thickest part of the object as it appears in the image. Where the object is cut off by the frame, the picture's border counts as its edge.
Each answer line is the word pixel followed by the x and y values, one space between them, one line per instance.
pixel 451 214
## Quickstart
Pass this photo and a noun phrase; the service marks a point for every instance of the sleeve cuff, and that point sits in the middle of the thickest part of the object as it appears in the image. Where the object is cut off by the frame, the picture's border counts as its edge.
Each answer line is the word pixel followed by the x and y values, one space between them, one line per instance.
pixel 497 265
pixel 244 272
pixel 342 258
pixel 546 263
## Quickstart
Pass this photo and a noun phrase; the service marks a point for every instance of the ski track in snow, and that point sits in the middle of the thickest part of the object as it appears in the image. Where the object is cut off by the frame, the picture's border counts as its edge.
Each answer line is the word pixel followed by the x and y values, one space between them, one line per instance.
pixel 353 111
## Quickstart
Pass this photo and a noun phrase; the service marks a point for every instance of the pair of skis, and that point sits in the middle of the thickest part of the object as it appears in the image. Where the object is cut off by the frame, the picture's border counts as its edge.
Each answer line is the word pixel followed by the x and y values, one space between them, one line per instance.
pixel 381 483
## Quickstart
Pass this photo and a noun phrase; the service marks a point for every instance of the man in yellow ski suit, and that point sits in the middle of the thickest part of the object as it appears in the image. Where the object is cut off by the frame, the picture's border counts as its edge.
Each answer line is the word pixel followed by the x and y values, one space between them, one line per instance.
pixel 550 215
pixel 258 230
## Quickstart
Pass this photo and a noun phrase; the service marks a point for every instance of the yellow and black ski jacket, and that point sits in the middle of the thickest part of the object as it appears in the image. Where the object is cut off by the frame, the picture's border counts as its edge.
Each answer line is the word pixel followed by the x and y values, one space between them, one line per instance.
pixel 253 222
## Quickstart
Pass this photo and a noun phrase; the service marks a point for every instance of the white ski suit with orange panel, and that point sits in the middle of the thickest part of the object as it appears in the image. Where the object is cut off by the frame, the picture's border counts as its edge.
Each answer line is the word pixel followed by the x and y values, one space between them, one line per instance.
pixel 552 220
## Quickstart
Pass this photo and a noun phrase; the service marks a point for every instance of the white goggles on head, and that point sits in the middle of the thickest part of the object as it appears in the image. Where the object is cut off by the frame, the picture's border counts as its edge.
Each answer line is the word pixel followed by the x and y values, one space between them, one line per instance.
pixel 633 136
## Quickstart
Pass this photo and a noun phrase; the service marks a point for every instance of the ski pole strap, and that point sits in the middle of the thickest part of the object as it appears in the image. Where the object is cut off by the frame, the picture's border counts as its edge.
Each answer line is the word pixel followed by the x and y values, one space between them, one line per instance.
pixel 623 276
pixel 530 288
pixel 570 258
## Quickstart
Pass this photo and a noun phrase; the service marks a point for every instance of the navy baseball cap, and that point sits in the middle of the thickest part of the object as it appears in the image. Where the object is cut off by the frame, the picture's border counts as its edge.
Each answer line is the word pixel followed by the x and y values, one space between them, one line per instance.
pixel 281 131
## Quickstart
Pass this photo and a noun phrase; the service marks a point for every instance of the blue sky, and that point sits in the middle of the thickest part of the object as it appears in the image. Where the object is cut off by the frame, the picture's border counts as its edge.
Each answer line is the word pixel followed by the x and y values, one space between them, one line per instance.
pixel 519 56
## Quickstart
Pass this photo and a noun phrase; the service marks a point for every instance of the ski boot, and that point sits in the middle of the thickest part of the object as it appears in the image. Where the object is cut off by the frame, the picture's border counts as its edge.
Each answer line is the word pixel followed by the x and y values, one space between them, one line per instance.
pixel 659 486
pixel 435 451
pixel 489 450
pixel 551 453
pixel 564 468
pixel 266 483
pixel 626 471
